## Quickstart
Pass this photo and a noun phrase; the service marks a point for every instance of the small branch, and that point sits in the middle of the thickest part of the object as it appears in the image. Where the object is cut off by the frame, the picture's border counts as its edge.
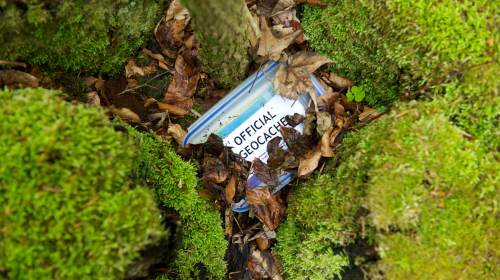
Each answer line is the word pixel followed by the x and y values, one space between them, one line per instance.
pixel 12 63
pixel 312 2
pixel 422 90
pixel 146 83
pixel 196 113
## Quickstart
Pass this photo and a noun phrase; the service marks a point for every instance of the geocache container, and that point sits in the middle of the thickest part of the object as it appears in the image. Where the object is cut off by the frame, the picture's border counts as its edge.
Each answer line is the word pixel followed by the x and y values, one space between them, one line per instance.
pixel 248 118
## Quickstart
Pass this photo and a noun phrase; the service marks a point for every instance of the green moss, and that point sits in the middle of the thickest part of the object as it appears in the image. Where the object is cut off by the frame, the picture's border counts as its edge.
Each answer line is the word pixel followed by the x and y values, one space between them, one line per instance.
pixel 68 208
pixel 91 36
pixel 396 47
pixel 176 186
pixel 431 197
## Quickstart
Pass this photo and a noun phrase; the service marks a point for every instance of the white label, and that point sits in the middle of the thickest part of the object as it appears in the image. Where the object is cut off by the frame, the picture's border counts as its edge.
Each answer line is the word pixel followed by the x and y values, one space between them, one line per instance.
pixel 250 139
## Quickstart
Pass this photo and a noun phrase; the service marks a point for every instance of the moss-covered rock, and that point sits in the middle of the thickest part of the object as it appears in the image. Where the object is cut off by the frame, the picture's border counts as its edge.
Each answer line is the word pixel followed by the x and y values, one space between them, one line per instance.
pixel 68 208
pixel 97 36
pixel 176 186
pixel 430 199
pixel 396 47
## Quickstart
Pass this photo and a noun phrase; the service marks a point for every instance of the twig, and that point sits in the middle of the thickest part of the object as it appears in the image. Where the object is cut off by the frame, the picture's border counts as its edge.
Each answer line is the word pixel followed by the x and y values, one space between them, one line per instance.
pixel 13 63
pixel 422 90
pixel 287 8
pixel 237 222
pixel 196 113
pixel 312 2
pixel 146 83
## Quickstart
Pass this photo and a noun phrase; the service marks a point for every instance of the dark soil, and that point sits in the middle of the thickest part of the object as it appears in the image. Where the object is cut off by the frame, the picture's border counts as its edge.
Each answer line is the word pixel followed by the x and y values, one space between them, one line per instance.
pixel 131 100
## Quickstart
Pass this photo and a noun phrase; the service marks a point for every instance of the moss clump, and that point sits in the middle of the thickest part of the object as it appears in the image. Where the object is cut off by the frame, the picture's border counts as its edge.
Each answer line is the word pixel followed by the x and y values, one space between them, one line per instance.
pixel 68 208
pixel 98 36
pixel 176 186
pixel 395 47
pixel 430 196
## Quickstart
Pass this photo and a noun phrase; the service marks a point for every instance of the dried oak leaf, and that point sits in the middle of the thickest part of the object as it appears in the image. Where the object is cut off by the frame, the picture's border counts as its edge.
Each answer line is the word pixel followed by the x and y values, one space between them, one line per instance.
pixel 185 86
pixel 295 79
pixel 230 190
pixel 326 101
pixel 340 81
pixel 215 170
pixel 294 120
pixel 178 133
pixel 93 99
pixel 125 113
pixel 309 163
pixel 270 46
pixel 13 78
pixel 257 197
pixel 265 174
pixel 326 149
pixel 175 99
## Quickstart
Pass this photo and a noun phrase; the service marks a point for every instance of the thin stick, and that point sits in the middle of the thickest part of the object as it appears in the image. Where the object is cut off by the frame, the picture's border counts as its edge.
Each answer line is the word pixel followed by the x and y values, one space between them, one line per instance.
pixel 146 83
pixel 196 113
pixel 237 222
pixel 422 90
pixel 13 63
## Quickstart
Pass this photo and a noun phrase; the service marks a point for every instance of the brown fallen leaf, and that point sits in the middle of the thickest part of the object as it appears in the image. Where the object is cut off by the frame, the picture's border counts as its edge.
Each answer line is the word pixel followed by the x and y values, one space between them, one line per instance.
pixel 89 81
pixel 125 113
pixel 207 194
pixel 132 83
pixel 174 110
pixel 263 242
pixel 265 174
pixel 296 26
pixel 326 149
pixel 270 46
pixel 230 190
pixel 93 99
pixel 295 79
pixel 13 78
pixel 176 11
pixel 257 197
pixel 281 12
pixel 185 86
pixel 132 70
pixel 267 261
pixel 182 67
pixel 309 163
pixel 175 99
pixel 333 136
pixel 350 121
pixel 191 42
pixel 99 84
pixel 367 114
pixel 340 81
pixel 178 133
pixel 220 93
pixel 256 268
pixel 158 57
pixel 323 122
pixel 294 120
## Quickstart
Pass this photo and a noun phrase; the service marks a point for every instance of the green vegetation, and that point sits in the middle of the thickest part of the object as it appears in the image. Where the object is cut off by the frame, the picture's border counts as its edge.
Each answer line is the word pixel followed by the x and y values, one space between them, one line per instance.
pixel 431 199
pixel 92 36
pixel 176 187
pixel 68 208
pixel 396 47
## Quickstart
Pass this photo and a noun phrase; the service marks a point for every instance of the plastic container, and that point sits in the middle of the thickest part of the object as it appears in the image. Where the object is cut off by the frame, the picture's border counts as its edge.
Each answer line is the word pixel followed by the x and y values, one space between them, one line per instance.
pixel 247 118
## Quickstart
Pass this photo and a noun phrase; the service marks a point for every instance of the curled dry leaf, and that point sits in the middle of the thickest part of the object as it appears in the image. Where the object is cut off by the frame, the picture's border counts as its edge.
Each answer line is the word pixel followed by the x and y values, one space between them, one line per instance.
pixel 367 114
pixel 132 70
pixel 340 81
pixel 132 83
pixel 230 190
pixel 270 46
pixel 257 197
pixel 99 84
pixel 174 110
pixel 350 121
pixel 295 79
pixel 175 99
pixel 176 11
pixel 158 57
pixel 265 174
pixel 309 163
pixel 89 81
pixel 323 122
pixel 182 67
pixel 333 136
pixel 295 120
pixel 326 149
pixel 267 261
pixel 178 133
pixel 125 113
pixel 93 99
pixel 191 42
pixel 13 78
pixel 263 242
pixel 296 26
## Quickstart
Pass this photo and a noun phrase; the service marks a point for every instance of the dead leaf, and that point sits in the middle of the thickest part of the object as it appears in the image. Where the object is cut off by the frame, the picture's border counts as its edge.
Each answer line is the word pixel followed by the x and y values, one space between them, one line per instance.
pixel 132 70
pixel 340 81
pixel 93 99
pixel 207 194
pixel 367 114
pixel 296 142
pixel 309 163
pixel 185 86
pixel 295 79
pixel 230 190
pixel 13 78
pixel 257 197
pixel 326 149
pixel 266 260
pixel 339 110
pixel 276 159
pixel 99 84
pixel 171 109
pixel 265 174
pixel 215 170
pixel 182 67
pixel 176 11
pixel 263 242
pixel 132 83
pixel 178 133
pixel 191 42
pixel 296 26
pixel 256 268
pixel 323 122
pixel 309 124
pixel 333 136
pixel 270 46
pixel 350 121
pixel 179 101
pixel 158 57
pixel 294 120
pixel 89 81
pixel 280 11
pixel 125 113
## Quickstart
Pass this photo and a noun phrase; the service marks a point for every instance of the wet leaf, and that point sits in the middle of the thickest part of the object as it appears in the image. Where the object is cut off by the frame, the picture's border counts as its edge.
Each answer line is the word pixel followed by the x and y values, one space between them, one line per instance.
pixel 263 242
pixel 326 149
pixel 230 190
pixel 93 99
pixel 265 174
pixel 340 81
pixel 295 79
pixel 125 113
pixel 276 158
pixel 291 161
pixel 309 163
pixel 182 85
pixel 270 46
pixel 13 78
pixel 323 122
pixel 294 120
pixel 273 144
pixel 178 133
pixel 215 170
pixel 191 42
pixel 296 142
pixel 257 197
